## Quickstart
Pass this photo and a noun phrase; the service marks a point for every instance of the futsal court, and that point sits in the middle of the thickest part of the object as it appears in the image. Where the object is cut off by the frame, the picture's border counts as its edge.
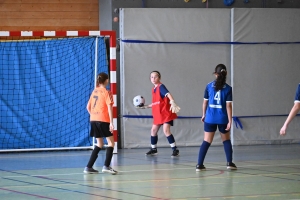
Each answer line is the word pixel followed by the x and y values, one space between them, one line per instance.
pixel 48 76
pixel 264 172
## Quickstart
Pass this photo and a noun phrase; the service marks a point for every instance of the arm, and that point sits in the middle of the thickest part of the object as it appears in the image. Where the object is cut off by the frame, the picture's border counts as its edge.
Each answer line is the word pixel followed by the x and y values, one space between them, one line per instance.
pixel 110 113
pixel 174 107
pixel 88 107
pixel 170 97
pixel 204 107
pixel 229 114
pixel 291 116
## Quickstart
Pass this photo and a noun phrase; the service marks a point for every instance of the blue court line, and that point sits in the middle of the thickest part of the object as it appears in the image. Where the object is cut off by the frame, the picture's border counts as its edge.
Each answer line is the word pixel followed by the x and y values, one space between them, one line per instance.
pixel 208 42
pixel 59 188
pixel 236 119
pixel 28 194
pixel 76 191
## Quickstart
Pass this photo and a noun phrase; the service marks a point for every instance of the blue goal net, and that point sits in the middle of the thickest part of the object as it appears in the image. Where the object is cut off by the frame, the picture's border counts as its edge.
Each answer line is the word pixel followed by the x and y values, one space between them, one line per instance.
pixel 45 86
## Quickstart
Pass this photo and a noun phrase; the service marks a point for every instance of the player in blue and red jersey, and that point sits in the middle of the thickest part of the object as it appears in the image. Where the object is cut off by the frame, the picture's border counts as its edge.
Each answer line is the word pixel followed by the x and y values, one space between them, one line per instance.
pixel 217 113
pixel 164 111
pixel 293 112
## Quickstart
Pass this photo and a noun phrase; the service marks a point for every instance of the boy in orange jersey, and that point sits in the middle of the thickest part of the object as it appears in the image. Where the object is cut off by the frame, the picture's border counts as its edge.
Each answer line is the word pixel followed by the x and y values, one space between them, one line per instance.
pixel 101 118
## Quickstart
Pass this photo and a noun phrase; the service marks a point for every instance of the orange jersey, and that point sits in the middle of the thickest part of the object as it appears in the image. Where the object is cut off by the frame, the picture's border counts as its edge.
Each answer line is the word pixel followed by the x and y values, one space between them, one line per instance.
pixel 98 104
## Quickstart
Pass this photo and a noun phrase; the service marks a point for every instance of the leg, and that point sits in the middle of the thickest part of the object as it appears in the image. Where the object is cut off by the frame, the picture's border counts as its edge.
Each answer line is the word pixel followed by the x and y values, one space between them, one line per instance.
pixel 208 138
pixel 153 139
pixel 109 150
pixel 154 130
pixel 209 133
pixel 171 139
pixel 109 154
pixel 94 156
pixel 227 148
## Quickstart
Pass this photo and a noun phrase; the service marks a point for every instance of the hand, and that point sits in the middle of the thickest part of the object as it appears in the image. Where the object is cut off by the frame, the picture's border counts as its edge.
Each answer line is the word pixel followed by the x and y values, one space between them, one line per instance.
pixel 111 128
pixel 203 118
pixel 174 108
pixel 228 126
pixel 283 130
pixel 142 107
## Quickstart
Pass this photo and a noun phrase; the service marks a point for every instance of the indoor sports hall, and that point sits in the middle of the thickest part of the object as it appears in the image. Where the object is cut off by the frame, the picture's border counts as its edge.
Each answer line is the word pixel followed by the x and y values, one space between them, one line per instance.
pixel 51 54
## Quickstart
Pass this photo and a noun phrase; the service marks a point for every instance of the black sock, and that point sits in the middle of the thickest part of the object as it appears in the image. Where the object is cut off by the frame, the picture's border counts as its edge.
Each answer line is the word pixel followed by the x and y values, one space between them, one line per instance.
pixel 93 157
pixel 109 154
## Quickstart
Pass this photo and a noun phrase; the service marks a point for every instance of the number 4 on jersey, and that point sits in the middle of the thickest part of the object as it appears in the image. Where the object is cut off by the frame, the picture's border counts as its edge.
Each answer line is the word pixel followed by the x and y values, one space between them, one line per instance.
pixel 218 97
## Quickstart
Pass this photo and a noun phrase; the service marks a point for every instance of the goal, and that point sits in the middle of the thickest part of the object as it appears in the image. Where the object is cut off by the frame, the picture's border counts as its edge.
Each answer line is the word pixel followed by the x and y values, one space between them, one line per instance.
pixel 46 80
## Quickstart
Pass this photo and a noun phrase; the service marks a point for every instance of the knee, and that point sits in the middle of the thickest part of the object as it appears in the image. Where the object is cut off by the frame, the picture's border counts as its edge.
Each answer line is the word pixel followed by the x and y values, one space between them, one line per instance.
pixel 153 132
pixel 210 140
pixel 225 137
pixel 111 143
pixel 167 133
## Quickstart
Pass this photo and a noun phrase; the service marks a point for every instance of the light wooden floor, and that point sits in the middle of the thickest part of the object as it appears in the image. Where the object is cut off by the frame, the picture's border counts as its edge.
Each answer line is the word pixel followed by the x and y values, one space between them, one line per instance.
pixel 264 172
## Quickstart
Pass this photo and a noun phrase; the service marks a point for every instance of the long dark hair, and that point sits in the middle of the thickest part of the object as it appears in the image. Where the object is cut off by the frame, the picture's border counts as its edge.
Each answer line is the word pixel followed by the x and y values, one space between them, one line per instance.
pixel 101 78
pixel 221 73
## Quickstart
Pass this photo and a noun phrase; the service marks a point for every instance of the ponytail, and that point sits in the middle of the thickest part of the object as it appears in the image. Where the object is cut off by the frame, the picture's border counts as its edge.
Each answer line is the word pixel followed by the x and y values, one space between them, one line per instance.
pixel 221 73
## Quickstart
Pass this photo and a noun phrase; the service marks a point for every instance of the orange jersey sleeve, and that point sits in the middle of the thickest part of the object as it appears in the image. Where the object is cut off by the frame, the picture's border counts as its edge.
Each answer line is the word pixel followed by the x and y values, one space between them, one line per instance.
pixel 99 101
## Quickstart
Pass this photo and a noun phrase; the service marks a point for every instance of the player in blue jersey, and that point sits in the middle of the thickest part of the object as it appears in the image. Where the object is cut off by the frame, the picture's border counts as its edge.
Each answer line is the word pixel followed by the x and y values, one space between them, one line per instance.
pixel 293 112
pixel 217 113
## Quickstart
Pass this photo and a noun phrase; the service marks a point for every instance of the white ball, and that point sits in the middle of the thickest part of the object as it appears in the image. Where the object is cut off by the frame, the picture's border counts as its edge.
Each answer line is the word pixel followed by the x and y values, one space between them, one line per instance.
pixel 138 101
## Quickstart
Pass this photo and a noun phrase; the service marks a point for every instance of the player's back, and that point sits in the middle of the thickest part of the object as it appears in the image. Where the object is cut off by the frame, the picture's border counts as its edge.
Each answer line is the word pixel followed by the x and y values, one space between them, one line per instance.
pixel 99 109
pixel 216 112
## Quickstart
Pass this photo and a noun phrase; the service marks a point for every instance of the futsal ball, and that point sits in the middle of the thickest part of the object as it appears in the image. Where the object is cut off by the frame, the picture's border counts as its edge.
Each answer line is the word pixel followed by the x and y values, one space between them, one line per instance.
pixel 139 101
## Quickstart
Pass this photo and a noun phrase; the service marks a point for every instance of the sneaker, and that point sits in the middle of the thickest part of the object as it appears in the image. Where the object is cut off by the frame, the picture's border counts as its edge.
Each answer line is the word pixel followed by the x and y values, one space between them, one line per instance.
pixel 175 153
pixel 200 168
pixel 88 170
pixel 109 170
pixel 231 166
pixel 152 152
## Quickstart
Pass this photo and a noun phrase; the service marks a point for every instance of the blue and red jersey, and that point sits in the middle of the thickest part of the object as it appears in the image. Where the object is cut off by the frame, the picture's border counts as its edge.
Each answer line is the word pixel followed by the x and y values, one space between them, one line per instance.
pixel 160 106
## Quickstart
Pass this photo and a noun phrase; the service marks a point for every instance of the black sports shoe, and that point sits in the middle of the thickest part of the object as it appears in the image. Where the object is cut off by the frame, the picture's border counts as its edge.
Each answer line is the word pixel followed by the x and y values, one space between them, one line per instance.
pixel 231 166
pixel 175 153
pixel 88 170
pixel 152 152
pixel 200 168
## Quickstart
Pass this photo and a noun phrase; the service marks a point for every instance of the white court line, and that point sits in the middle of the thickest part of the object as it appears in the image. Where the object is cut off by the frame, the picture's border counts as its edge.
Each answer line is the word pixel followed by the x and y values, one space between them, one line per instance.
pixel 132 171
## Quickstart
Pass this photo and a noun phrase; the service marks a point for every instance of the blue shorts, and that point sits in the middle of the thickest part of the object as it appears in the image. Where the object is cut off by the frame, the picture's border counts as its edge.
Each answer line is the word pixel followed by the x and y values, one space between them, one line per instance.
pixel 213 127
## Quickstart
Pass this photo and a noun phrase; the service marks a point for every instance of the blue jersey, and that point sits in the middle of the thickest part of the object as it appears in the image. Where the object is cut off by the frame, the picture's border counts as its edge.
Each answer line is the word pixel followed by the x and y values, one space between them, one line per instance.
pixel 297 96
pixel 216 112
pixel 163 90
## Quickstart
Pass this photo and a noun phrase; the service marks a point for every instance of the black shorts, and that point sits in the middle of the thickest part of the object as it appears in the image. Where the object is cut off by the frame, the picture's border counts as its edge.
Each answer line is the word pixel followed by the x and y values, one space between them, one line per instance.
pixel 169 122
pixel 100 129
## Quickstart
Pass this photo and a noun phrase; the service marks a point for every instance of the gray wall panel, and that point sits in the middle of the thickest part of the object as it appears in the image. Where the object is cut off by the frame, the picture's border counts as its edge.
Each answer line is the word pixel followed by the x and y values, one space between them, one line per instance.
pixel 176 24
pixel 266 131
pixel 185 68
pixel 266 25
pixel 265 76
pixel 265 79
